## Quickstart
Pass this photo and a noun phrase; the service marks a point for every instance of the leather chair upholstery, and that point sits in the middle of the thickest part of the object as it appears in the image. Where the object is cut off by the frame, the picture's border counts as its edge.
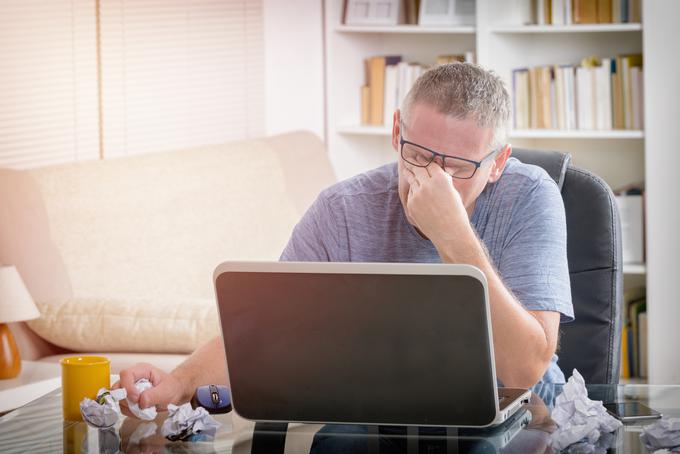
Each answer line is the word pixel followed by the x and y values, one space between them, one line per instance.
pixel 592 343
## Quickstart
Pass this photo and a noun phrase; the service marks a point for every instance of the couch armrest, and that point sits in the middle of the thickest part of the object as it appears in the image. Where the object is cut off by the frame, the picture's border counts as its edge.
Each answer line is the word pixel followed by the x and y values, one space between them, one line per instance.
pixel 31 346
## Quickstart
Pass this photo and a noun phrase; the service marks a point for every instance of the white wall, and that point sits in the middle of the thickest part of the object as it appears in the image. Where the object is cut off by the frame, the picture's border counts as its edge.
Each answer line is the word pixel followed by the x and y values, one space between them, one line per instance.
pixel 293 52
pixel 662 138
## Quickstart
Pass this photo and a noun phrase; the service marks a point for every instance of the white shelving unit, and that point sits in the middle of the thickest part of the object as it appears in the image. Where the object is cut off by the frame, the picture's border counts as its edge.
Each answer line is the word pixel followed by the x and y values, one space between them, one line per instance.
pixel 502 43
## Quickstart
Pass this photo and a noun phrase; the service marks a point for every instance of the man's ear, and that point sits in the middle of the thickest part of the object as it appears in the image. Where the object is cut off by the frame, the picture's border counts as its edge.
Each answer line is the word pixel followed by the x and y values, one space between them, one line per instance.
pixel 396 130
pixel 499 163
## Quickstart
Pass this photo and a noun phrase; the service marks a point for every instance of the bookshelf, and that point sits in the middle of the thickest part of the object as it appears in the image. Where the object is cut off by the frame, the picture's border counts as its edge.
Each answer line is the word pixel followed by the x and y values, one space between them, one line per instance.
pixel 501 42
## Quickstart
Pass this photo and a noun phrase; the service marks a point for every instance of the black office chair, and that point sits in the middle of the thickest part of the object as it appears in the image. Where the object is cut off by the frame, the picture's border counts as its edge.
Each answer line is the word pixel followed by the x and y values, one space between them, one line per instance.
pixel 592 343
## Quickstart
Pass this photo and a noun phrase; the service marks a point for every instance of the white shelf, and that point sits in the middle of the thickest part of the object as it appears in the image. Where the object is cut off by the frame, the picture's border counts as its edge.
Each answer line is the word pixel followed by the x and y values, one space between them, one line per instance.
pixel 562 134
pixel 365 130
pixel 580 28
pixel 634 268
pixel 416 29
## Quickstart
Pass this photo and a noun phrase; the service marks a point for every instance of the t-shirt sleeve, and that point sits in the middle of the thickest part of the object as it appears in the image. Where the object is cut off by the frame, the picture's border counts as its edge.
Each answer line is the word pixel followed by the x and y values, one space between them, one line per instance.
pixel 314 238
pixel 534 259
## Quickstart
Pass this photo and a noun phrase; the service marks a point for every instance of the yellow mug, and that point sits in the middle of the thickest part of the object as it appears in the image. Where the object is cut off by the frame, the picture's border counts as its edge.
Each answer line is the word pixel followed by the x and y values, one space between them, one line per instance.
pixel 81 377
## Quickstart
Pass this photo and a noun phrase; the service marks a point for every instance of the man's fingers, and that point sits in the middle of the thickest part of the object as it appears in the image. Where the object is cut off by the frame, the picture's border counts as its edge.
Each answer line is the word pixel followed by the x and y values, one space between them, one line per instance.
pixel 420 173
pixel 128 378
pixel 154 397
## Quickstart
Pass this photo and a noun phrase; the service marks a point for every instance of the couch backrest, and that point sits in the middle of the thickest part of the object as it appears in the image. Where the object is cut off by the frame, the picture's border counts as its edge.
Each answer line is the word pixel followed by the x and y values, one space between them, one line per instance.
pixel 156 225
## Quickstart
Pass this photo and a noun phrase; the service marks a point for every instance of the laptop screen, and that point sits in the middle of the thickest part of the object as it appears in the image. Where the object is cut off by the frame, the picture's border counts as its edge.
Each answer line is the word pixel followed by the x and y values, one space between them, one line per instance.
pixel 357 348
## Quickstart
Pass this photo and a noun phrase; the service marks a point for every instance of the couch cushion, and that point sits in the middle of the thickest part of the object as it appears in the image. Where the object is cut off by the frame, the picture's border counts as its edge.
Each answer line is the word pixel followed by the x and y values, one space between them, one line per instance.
pixel 130 325
pixel 155 226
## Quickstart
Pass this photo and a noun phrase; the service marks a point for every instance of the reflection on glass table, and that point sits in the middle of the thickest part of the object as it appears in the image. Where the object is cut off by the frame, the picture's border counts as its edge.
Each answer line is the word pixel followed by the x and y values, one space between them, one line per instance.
pixel 39 427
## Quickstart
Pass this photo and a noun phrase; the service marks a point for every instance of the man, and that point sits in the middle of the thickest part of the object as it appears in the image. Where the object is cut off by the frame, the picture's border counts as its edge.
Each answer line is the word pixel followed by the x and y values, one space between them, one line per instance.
pixel 453 196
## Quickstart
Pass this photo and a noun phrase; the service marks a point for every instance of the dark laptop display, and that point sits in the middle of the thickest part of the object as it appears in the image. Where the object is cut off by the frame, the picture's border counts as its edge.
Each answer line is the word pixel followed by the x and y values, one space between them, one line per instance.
pixel 364 348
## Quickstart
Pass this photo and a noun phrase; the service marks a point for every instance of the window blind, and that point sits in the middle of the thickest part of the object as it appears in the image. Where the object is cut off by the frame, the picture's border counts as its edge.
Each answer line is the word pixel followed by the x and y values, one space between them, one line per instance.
pixel 180 73
pixel 48 82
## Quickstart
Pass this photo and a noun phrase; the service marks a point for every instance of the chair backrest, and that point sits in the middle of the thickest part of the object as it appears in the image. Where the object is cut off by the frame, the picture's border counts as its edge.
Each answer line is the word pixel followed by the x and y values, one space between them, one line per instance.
pixel 592 343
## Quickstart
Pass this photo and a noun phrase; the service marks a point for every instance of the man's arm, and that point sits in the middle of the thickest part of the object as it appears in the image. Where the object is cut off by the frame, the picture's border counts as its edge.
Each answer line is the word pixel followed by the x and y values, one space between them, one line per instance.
pixel 524 341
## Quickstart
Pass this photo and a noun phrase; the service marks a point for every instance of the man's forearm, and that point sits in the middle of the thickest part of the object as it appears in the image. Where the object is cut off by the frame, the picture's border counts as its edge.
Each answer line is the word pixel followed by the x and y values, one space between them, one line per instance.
pixel 522 350
pixel 206 365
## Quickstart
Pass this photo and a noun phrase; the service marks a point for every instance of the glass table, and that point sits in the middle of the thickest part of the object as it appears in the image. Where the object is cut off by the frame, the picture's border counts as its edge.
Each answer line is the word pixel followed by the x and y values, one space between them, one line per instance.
pixel 38 427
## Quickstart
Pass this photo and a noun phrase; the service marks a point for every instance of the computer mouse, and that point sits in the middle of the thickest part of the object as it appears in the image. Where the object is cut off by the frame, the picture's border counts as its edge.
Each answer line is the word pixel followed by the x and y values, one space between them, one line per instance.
pixel 214 398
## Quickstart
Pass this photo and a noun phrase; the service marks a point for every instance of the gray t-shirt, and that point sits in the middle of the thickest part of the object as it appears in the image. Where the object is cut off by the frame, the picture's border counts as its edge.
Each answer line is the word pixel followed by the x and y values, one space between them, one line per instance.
pixel 520 218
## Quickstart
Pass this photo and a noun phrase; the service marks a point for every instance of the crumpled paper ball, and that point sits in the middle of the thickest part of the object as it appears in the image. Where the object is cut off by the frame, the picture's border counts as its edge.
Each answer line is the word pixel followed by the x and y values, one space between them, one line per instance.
pixel 104 411
pixel 578 417
pixel 663 434
pixel 183 422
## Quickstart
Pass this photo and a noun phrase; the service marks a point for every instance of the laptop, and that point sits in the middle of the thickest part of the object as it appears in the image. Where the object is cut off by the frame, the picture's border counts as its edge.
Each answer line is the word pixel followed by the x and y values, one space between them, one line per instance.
pixel 361 343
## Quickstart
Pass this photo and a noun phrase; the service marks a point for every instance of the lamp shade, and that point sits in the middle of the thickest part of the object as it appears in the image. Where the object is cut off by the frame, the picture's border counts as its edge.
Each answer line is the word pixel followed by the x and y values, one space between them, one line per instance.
pixel 16 304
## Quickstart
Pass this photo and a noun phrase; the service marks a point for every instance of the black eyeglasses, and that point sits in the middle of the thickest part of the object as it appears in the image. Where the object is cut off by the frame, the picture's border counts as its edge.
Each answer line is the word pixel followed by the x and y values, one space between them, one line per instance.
pixel 456 167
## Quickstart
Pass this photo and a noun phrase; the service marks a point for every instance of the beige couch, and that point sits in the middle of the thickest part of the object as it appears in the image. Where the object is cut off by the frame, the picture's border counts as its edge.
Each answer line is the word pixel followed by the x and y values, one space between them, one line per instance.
pixel 118 254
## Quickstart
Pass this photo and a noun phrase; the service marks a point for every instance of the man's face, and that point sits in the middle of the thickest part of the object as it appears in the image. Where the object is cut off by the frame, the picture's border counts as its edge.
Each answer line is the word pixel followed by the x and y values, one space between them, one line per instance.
pixel 461 138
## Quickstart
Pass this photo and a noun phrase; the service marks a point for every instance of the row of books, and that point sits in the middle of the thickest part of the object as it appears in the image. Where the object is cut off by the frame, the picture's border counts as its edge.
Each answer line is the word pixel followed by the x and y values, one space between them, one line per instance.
pixel 387 81
pixel 567 12
pixel 634 355
pixel 596 95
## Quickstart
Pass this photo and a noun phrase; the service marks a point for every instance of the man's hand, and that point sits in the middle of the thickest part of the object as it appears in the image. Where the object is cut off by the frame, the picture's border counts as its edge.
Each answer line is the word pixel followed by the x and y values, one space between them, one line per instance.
pixel 166 387
pixel 433 203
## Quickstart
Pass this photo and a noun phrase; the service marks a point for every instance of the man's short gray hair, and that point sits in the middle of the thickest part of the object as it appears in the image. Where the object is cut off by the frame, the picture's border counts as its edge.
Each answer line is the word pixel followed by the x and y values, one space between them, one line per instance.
pixel 463 91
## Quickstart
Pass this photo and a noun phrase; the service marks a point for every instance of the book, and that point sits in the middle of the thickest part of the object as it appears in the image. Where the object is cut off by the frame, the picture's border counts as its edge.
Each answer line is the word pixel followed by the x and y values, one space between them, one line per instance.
pixel 376 84
pixel 557 12
pixel 633 298
pixel 365 105
pixel 533 98
pixel 603 95
pixel 616 11
pixel 391 93
pixel 631 214
pixel 628 62
pixel 642 344
pixel 604 11
pixel 520 84
pixel 636 96
pixel 635 308
pixel 584 99
pixel 411 12
pixel 569 72
pixel 560 99
pixel 546 97
pixel 617 95
pixel 634 11
pixel 584 11
pixel 625 365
